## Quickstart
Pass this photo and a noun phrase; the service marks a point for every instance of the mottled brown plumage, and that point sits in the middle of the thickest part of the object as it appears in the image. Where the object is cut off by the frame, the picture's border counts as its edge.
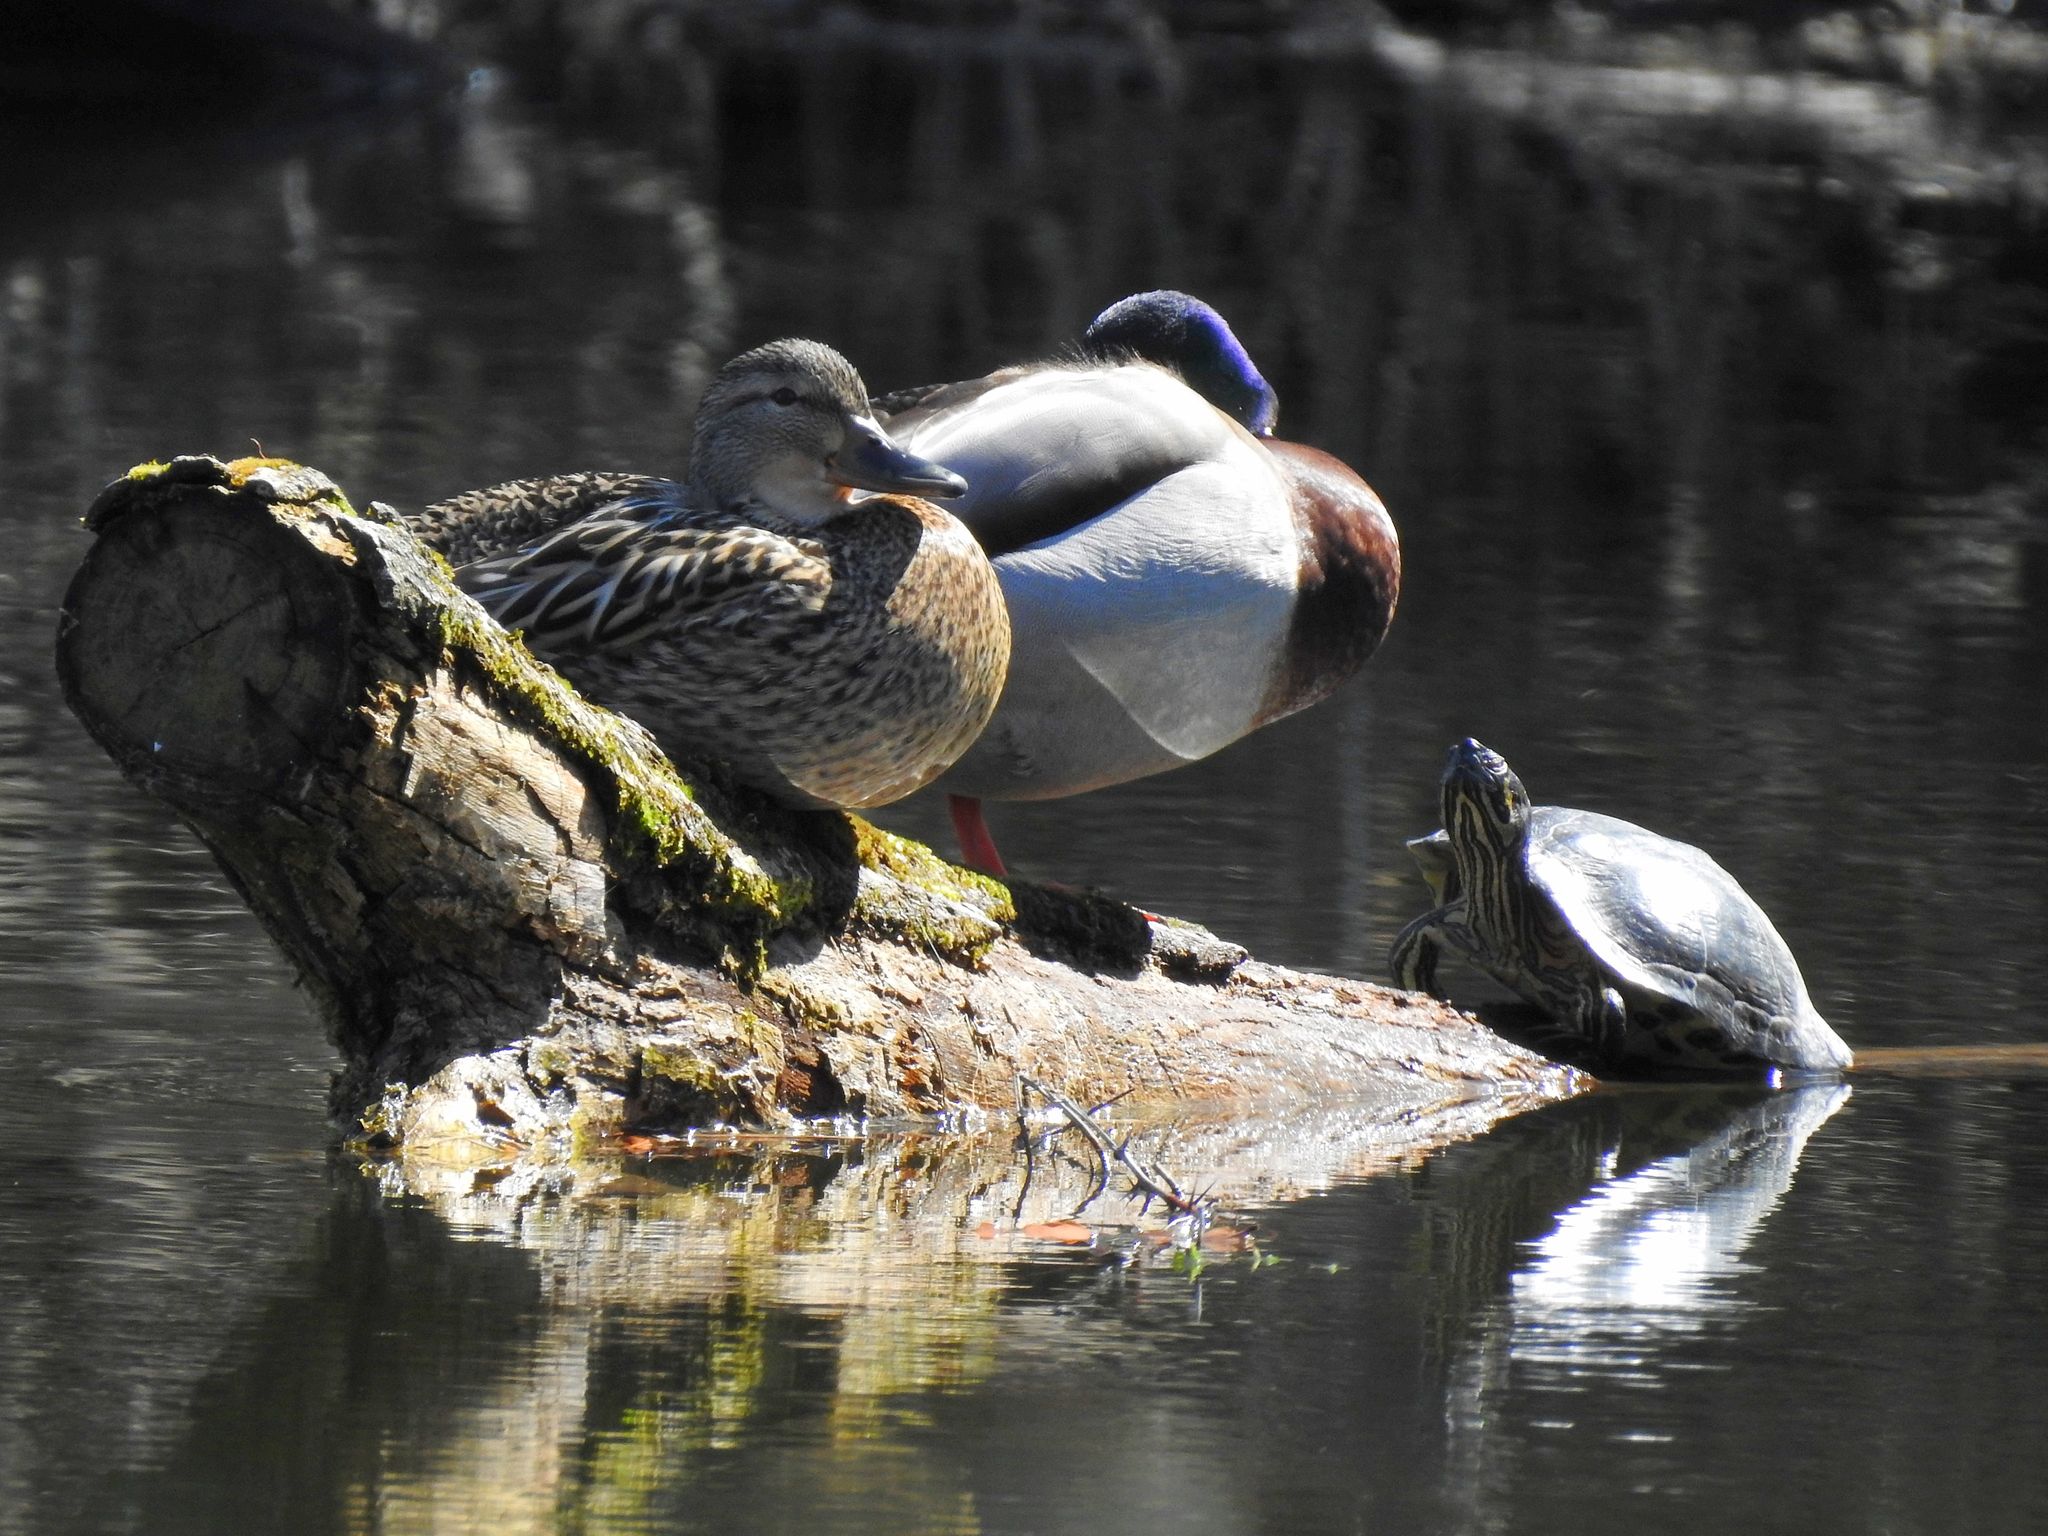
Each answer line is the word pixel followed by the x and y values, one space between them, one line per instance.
pixel 833 652
pixel 502 517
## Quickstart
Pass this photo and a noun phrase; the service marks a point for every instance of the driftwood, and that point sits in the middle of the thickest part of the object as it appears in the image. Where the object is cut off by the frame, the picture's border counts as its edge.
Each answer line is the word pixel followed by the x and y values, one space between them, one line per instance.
pixel 522 924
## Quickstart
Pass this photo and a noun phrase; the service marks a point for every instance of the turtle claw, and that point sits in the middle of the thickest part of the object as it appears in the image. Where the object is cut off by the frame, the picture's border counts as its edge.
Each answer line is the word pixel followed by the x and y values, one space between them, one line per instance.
pixel 1603 1020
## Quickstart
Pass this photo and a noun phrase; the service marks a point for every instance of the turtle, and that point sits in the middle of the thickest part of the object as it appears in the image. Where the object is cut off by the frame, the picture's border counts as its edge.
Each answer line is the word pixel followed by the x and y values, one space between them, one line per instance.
pixel 1640 946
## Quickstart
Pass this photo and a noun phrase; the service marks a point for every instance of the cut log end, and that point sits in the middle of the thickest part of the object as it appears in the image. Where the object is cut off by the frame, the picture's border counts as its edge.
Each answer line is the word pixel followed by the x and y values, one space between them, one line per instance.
pixel 205 652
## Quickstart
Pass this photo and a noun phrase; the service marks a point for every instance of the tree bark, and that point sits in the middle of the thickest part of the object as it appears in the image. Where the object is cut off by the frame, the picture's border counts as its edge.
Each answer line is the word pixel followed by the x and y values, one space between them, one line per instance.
pixel 522 924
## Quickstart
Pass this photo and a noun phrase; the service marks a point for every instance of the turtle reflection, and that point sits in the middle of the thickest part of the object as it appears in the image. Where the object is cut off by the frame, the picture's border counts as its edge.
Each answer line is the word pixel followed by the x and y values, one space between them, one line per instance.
pixel 1647 1252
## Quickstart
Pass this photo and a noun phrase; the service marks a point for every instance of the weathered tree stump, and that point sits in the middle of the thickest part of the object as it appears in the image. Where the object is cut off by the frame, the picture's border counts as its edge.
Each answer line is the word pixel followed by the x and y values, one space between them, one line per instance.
pixel 521 922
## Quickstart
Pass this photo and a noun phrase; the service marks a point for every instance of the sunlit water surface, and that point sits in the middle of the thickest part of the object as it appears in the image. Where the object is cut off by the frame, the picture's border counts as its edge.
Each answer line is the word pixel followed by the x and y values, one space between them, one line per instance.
pixel 1717 516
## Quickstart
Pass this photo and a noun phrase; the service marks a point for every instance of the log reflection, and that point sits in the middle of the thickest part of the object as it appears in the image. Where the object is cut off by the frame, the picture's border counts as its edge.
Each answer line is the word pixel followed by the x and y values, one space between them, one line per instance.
pixel 506 1348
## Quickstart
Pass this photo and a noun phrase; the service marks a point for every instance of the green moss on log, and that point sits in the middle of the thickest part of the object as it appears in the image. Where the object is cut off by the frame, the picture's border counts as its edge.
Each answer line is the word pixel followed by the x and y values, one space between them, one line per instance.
pixel 687 1087
pixel 658 817
pixel 909 895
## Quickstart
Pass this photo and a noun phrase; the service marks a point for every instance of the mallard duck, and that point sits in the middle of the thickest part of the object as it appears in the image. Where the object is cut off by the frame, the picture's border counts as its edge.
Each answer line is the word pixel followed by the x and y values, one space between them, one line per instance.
pixel 834 650
pixel 1176 576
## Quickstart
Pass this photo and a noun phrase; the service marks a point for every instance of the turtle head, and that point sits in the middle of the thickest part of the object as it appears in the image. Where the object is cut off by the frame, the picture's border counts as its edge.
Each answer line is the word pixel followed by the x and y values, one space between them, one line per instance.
pixel 788 425
pixel 1179 331
pixel 1486 810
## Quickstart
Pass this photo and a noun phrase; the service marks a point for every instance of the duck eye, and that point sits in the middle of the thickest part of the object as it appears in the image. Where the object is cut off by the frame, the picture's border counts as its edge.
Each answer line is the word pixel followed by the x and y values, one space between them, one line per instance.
pixel 784 396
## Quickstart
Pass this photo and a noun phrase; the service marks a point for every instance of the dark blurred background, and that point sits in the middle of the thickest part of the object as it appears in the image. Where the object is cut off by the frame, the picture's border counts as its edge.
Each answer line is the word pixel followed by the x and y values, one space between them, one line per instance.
pixel 1700 351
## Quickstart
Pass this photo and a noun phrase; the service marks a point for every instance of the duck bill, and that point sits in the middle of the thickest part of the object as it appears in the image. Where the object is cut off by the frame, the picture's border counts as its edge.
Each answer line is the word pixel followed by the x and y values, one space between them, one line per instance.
pixel 870 461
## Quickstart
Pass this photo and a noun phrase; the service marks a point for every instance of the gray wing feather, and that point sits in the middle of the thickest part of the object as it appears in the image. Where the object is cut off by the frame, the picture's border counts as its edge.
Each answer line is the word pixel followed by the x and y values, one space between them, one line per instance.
pixel 1046 450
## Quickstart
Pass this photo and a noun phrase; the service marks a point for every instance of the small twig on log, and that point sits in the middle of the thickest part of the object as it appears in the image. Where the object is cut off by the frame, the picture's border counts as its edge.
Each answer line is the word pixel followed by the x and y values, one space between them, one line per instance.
pixel 1046 1138
pixel 1153 1182
pixel 1033 1140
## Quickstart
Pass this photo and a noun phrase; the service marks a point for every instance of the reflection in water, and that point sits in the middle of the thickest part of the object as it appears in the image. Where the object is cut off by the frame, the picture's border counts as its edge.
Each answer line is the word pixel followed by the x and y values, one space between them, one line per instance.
pixel 738 1340
pixel 856 1337
pixel 1642 1261
pixel 860 1337
pixel 1648 1251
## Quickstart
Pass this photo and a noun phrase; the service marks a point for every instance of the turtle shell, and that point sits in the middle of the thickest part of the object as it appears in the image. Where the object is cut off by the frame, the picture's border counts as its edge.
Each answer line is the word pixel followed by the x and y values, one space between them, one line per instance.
pixel 1704 974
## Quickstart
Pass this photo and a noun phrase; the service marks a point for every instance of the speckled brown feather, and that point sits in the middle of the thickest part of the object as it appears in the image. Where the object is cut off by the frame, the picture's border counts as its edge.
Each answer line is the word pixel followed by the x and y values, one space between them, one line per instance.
pixel 504 517
pixel 838 664
pixel 611 580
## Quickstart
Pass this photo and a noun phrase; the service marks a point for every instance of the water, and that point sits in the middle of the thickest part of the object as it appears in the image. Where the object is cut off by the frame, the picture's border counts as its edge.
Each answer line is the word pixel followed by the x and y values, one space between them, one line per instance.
pixel 1721 491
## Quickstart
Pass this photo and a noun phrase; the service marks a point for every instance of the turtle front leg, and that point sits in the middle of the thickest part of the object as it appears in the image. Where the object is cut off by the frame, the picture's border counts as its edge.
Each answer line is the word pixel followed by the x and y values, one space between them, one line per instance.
pixel 1413 958
pixel 1603 1021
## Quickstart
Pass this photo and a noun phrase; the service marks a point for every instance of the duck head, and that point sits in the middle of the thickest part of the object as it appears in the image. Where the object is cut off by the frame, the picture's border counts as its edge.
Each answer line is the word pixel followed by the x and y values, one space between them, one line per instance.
pixel 788 426
pixel 1179 331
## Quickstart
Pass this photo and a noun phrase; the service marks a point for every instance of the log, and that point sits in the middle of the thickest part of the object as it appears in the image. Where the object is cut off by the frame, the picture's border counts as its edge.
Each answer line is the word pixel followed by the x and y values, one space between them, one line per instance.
pixel 523 926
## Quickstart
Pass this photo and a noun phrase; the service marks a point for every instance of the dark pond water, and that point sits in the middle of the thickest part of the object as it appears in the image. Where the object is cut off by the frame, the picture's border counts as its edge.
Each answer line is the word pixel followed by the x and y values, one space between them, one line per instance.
pixel 1716 441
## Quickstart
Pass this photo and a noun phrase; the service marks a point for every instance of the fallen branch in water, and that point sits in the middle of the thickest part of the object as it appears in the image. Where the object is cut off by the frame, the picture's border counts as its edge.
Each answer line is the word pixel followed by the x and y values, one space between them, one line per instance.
pixel 523 926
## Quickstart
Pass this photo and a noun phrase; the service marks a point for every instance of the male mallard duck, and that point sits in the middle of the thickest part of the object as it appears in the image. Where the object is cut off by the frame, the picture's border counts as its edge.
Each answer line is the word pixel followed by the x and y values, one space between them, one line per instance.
pixel 1176 576
pixel 833 651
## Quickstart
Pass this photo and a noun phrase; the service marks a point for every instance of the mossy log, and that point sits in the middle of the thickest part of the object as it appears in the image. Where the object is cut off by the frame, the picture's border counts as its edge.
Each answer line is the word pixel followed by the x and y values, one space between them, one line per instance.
pixel 521 922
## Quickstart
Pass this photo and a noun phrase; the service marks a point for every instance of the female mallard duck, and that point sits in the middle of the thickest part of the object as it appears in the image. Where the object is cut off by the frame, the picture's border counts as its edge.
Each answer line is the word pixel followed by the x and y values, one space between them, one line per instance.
pixel 831 650
pixel 1177 577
